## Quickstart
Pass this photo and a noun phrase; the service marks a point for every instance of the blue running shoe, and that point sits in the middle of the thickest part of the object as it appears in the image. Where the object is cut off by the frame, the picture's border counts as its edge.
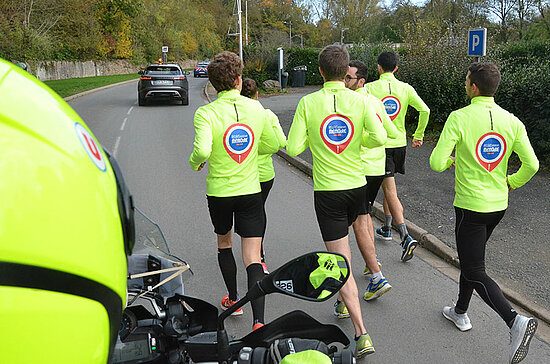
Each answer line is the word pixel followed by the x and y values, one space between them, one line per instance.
pixel 376 290
pixel 408 244
pixel 383 234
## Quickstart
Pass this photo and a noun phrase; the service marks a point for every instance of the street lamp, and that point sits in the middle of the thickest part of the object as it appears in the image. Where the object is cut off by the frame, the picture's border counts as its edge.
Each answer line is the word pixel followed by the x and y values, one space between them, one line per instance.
pixel 342 35
pixel 290 32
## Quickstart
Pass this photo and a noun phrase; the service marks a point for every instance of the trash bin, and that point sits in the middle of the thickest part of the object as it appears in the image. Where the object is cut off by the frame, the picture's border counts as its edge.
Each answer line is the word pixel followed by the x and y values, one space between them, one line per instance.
pixel 299 76
pixel 284 79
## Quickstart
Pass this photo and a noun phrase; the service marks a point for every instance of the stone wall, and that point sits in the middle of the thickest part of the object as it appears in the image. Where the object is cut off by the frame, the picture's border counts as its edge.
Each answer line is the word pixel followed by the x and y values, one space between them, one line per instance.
pixel 61 70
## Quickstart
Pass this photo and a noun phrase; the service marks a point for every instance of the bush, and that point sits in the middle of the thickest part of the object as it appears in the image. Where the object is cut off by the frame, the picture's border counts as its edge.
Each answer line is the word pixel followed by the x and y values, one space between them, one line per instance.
pixel 305 57
pixel 260 64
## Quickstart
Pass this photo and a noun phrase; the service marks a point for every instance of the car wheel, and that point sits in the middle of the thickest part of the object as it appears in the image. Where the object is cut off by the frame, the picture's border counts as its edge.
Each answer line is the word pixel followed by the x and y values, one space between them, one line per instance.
pixel 185 101
pixel 195 75
pixel 141 101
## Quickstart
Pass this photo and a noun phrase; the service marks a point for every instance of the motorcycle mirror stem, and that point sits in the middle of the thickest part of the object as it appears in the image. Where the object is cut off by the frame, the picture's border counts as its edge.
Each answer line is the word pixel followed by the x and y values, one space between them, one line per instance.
pixel 224 355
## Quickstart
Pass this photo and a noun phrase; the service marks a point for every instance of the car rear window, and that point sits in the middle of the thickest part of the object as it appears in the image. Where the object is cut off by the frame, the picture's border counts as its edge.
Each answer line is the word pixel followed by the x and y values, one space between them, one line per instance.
pixel 162 70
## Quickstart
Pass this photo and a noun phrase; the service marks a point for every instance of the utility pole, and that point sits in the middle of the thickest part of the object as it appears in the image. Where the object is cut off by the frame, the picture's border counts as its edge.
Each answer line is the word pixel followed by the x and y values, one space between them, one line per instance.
pixel 240 20
pixel 290 34
pixel 342 35
pixel 246 21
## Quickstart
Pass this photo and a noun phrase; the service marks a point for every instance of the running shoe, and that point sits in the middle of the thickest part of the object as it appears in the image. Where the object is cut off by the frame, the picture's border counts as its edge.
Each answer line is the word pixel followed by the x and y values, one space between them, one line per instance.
pixel 375 290
pixel 364 346
pixel 227 303
pixel 340 310
pixel 383 234
pixel 521 333
pixel 408 244
pixel 461 320
pixel 367 270
pixel 264 267
pixel 257 325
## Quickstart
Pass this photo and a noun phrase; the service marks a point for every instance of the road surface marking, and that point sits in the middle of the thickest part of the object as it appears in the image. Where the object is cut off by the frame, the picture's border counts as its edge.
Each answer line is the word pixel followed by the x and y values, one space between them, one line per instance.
pixel 115 150
pixel 123 123
pixel 129 111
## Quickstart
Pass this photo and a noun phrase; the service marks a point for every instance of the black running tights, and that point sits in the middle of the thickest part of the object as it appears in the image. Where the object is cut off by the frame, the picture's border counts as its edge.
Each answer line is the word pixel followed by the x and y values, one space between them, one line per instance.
pixel 472 231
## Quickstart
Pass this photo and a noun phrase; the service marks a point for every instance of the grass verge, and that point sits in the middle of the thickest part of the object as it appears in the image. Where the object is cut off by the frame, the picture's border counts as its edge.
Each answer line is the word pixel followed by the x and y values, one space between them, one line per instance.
pixel 73 86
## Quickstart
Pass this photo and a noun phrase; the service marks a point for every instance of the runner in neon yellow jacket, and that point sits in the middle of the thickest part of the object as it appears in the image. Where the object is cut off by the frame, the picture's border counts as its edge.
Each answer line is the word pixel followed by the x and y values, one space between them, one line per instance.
pixel 483 148
pixel 230 132
pixel 396 97
pixel 484 135
pixel 265 161
pixel 314 114
pixel 374 159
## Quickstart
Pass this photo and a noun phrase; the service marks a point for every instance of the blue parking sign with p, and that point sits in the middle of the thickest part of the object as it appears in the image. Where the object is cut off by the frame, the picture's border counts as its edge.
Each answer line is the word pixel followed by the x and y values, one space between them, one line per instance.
pixel 477 42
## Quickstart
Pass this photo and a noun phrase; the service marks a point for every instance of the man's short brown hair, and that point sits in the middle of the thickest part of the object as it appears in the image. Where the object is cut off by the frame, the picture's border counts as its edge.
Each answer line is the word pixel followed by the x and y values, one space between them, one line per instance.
pixel 334 61
pixel 224 70
pixel 486 77
pixel 249 88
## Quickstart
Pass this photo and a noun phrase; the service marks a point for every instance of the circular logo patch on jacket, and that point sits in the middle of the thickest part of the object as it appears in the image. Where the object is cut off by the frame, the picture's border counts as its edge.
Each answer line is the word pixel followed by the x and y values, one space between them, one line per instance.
pixel 392 106
pixel 90 146
pixel 336 132
pixel 238 141
pixel 490 150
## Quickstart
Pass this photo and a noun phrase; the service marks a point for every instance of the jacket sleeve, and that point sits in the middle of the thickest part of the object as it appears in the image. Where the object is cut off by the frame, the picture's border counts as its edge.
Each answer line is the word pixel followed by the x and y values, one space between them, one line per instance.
pixel 529 162
pixel 269 143
pixel 423 113
pixel 297 136
pixel 440 159
pixel 274 121
pixel 374 134
pixel 203 139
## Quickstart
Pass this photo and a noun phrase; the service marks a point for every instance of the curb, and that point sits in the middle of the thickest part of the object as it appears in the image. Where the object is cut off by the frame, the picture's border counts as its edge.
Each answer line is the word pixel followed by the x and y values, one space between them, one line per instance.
pixel 431 243
pixel 205 89
pixel 72 97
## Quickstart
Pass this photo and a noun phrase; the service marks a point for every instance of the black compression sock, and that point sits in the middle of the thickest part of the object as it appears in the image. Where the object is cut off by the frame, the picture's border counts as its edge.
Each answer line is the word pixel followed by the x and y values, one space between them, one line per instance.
pixel 229 271
pixel 255 272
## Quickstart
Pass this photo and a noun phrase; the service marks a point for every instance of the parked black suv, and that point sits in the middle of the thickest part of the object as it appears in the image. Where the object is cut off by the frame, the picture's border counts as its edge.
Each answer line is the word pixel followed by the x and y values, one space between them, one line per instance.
pixel 166 81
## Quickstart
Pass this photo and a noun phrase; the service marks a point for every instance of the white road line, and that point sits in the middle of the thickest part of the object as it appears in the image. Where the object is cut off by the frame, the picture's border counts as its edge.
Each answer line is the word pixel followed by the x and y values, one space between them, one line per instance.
pixel 129 111
pixel 123 123
pixel 115 150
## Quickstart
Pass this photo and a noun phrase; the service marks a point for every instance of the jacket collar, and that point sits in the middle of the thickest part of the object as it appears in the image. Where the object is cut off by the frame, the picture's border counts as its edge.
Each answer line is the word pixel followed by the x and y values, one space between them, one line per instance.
pixel 483 99
pixel 387 76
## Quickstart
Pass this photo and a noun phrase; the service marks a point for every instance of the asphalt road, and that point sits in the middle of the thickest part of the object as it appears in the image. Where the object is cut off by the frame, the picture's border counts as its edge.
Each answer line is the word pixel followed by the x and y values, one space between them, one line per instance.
pixel 518 254
pixel 153 144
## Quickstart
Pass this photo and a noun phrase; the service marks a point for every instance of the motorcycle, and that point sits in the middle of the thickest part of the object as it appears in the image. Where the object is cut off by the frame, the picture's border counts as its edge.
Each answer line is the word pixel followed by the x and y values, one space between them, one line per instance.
pixel 161 324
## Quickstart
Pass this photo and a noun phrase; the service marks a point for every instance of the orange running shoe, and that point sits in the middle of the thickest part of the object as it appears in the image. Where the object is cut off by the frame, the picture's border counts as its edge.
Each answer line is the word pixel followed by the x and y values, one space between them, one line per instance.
pixel 227 303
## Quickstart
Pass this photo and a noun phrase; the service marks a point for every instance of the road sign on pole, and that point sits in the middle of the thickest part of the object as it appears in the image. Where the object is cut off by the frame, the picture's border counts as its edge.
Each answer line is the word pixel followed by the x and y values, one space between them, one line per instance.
pixel 164 49
pixel 280 65
pixel 477 42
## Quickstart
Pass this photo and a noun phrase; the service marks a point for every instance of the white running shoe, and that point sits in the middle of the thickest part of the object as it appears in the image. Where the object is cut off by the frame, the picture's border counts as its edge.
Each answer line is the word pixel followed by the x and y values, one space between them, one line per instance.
pixel 521 333
pixel 461 320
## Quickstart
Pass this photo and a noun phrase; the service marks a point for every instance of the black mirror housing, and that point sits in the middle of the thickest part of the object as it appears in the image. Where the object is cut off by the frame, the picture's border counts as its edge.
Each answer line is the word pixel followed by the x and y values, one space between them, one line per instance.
pixel 314 276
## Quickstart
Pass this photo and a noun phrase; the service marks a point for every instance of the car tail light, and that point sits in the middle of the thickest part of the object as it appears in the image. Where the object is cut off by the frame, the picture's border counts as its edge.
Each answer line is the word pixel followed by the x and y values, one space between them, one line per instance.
pixel 179 78
pixel 144 78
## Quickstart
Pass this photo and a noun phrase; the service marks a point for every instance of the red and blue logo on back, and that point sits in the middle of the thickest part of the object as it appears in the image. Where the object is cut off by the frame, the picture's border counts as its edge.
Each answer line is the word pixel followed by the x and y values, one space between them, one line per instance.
pixel 392 106
pixel 238 141
pixel 336 132
pixel 490 150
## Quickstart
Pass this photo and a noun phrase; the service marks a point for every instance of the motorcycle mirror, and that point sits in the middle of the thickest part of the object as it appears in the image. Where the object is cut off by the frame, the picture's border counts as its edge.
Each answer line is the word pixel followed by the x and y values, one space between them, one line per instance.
pixel 315 276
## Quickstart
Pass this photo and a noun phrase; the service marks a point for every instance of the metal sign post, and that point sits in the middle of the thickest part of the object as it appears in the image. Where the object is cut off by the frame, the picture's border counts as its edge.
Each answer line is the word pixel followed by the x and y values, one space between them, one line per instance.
pixel 280 50
pixel 164 54
pixel 477 42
